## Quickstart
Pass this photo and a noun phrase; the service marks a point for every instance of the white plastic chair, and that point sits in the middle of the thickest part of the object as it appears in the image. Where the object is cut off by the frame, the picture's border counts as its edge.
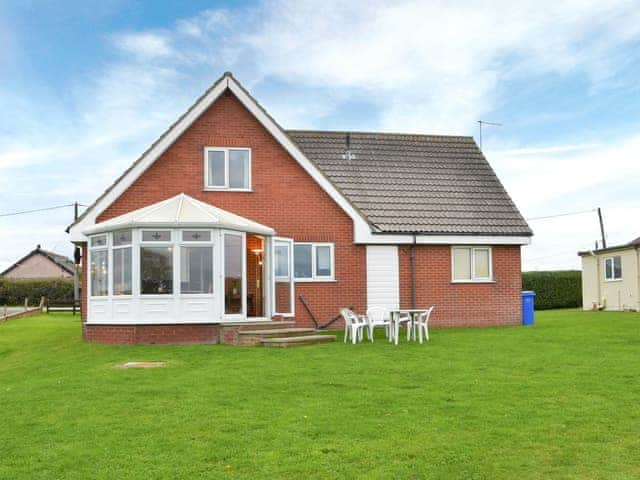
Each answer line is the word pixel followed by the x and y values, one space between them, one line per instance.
pixel 422 324
pixel 353 325
pixel 378 317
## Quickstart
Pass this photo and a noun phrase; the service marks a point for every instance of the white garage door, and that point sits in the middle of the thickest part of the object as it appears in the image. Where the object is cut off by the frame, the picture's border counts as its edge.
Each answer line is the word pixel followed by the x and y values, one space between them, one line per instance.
pixel 383 286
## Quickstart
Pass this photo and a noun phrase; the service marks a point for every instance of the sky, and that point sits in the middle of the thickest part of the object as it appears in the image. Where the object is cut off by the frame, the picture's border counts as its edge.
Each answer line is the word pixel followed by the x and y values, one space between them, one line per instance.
pixel 86 87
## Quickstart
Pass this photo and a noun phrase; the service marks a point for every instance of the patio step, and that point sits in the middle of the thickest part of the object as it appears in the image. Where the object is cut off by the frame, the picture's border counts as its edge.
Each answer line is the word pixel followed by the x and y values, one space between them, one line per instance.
pixel 285 342
pixel 280 332
pixel 260 325
pixel 232 333
pixel 255 337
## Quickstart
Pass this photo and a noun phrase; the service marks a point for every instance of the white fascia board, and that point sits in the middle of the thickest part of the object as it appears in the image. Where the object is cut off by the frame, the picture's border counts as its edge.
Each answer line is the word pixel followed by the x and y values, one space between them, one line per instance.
pixel 406 239
pixel 144 163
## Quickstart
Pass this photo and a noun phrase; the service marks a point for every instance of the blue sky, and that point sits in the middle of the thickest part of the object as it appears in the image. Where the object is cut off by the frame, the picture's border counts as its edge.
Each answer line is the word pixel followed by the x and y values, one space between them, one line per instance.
pixel 86 88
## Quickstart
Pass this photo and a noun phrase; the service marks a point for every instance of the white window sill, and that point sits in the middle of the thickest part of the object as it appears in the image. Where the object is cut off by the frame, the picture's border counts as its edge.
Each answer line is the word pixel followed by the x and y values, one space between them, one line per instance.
pixel 473 281
pixel 613 280
pixel 315 280
pixel 225 189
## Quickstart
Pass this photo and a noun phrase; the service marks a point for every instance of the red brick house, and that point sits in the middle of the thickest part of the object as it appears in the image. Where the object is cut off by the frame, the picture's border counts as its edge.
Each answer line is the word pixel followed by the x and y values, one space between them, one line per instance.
pixel 229 218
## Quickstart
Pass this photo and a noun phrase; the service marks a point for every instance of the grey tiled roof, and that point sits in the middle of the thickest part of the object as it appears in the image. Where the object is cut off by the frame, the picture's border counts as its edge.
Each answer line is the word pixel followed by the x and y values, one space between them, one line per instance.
pixel 415 183
pixel 63 262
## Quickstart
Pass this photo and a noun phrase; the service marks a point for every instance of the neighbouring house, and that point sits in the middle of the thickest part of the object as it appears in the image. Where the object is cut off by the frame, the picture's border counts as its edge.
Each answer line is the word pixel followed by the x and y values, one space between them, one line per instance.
pixel 611 277
pixel 229 218
pixel 41 263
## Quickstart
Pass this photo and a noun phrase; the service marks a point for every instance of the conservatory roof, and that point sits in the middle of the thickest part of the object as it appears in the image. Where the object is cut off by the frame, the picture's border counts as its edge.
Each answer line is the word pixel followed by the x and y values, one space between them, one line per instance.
pixel 178 212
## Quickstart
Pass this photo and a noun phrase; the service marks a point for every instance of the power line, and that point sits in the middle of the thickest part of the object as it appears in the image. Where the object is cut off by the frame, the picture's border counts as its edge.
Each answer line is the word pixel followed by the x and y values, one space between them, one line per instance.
pixel 562 214
pixel 40 210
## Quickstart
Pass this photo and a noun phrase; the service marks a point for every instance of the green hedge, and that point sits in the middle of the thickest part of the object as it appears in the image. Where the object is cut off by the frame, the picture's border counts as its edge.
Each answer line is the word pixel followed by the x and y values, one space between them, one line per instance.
pixel 13 292
pixel 554 289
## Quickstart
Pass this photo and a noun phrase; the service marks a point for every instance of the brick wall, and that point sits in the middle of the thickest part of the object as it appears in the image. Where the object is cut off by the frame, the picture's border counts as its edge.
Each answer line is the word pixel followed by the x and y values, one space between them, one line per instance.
pixel 284 197
pixel 151 334
pixel 463 304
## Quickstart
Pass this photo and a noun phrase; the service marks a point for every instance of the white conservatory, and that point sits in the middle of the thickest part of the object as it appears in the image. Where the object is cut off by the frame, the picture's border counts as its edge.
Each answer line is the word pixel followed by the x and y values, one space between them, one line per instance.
pixel 185 261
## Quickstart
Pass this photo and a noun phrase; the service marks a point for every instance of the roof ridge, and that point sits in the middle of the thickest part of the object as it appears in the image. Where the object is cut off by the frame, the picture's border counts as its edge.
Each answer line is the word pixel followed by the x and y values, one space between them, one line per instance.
pixel 364 132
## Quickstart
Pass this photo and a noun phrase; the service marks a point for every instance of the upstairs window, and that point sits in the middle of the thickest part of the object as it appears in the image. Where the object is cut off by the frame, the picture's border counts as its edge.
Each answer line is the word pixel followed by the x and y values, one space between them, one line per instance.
pixel 227 168
pixel 613 268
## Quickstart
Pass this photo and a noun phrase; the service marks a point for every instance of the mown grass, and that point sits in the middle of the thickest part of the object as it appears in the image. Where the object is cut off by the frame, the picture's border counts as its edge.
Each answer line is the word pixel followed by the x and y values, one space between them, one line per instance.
pixel 558 400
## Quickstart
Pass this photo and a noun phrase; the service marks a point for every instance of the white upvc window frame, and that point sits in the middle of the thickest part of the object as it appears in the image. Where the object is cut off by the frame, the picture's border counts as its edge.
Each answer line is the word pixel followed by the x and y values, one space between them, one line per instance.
pixel 473 278
pixel 112 248
pixel 175 259
pixel 314 276
pixel 613 270
pixel 180 243
pixel 105 248
pixel 226 187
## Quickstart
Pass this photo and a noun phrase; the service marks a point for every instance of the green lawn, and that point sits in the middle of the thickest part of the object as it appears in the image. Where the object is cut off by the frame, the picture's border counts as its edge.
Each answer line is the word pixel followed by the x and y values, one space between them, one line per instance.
pixel 558 400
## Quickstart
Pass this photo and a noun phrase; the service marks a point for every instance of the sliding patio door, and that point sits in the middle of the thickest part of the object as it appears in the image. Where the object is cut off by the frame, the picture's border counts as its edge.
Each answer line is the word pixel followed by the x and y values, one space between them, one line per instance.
pixel 283 285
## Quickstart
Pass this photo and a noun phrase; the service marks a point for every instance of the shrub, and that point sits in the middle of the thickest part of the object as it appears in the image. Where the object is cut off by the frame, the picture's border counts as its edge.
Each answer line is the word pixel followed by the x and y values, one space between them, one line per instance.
pixel 554 289
pixel 57 290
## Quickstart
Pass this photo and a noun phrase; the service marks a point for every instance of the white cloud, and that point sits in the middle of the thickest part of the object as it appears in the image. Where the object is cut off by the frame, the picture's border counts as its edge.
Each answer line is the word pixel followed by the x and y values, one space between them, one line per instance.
pixel 147 45
pixel 542 179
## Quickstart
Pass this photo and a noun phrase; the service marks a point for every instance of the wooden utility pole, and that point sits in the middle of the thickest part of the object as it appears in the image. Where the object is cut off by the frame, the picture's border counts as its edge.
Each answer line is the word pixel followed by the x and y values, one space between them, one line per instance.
pixel 76 282
pixel 604 241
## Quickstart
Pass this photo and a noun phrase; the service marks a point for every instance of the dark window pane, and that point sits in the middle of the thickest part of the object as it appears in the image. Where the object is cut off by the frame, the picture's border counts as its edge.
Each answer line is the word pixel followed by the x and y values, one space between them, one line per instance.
pixel 99 241
pixel 302 261
pixel 238 169
pixel 99 273
pixel 617 267
pixel 608 269
pixel 122 271
pixel 281 261
pixel 196 236
pixel 232 274
pixel 215 164
pixel 156 270
pixel 323 261
pixel 196 270
pixel 123 237
pixel 156 236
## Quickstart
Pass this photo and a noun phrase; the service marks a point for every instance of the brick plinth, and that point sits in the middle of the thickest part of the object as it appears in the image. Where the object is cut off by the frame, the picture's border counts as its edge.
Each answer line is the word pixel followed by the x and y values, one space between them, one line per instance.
pixel 151 334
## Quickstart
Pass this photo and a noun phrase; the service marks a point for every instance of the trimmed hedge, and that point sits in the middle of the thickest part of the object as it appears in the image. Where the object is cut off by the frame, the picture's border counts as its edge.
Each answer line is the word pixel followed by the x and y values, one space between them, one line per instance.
pixel 554 289
pixel 57 290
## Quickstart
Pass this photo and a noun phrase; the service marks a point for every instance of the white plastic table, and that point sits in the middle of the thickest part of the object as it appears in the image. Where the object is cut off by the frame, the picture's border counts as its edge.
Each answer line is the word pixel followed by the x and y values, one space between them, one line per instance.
pixel 395 322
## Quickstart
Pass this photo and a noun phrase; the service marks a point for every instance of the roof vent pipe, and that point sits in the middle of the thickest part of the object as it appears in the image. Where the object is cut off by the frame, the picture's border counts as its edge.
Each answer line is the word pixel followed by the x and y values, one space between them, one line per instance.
pixel 348 155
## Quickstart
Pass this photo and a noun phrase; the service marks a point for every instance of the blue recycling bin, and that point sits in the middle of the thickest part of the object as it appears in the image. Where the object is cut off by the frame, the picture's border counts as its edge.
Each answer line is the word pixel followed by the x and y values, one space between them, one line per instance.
pixel 528 301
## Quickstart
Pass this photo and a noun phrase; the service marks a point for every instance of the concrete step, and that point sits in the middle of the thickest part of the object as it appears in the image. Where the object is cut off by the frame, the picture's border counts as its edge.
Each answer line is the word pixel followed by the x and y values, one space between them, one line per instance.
pixel 285 342
pixel 279 332
pixel 268 325
pixel 255 337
